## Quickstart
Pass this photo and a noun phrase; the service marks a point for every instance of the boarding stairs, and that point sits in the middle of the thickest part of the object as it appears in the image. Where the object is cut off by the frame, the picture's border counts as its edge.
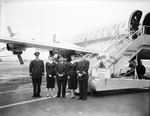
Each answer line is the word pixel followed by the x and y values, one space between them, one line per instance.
pixel 124 50
pixel 119 54
pixel 94 58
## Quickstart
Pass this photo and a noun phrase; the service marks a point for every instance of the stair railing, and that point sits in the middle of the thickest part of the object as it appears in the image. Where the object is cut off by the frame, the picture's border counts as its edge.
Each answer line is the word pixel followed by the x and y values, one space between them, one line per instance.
pixel 125 41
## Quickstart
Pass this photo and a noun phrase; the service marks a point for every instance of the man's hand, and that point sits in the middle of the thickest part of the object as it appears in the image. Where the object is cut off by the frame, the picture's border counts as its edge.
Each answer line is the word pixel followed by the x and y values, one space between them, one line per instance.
pixel 30 75
pixel 60 75
pixel 80 74
pixel 50 75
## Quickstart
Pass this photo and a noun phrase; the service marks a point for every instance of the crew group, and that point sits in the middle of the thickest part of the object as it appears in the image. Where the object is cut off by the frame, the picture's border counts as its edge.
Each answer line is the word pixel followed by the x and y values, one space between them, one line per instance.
pixel 76 73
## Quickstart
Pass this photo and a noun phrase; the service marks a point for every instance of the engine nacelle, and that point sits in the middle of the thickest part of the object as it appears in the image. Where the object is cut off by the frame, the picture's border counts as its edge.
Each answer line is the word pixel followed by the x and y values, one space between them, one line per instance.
pixel 16 48
pixel 8 47
pixel 17 53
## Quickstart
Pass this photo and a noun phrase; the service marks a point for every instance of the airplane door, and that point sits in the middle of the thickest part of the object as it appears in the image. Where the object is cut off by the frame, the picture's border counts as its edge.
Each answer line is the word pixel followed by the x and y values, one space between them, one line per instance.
pixel 146 23
pixel 134 20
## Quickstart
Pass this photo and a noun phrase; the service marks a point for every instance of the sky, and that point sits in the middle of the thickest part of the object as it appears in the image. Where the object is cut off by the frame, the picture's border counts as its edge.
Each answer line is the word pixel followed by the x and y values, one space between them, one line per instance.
pixel 40 19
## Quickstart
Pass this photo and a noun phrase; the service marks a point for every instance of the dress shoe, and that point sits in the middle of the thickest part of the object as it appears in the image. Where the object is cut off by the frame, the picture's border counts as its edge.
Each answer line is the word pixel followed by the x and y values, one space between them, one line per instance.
pixel 73 97
pixel 38 95
pixel 57 96
pixel 34 96
pixel 64 96
pixel 47 95
pixel 84 98
pixel 51 95
pixel 79 98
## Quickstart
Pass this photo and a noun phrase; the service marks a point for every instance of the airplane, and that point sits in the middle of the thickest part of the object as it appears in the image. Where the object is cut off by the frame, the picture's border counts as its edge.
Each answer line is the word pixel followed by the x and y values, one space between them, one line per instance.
pixel 89 42
pixel 99 42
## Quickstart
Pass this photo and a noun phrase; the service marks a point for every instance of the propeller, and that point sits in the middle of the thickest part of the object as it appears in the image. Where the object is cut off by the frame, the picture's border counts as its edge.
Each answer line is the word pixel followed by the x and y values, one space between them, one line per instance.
pixel 10 31
pixel 15 53
pixel 20 59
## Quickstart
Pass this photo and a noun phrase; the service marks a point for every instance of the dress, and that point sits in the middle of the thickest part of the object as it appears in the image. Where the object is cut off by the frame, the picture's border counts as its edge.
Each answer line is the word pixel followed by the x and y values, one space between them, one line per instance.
pixel 50 70
pixel 72 81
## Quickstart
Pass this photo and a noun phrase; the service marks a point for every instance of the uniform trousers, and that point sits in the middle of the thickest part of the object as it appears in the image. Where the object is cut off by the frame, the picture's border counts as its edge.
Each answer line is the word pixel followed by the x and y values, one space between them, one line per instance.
pixel 83 85
pixel 61 87
pixel 36 85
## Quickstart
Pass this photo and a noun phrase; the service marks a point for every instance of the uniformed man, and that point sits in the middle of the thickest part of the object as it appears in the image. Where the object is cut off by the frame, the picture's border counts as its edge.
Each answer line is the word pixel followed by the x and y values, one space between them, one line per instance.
pixel 82 71
pixel 61 74
pixel 36 70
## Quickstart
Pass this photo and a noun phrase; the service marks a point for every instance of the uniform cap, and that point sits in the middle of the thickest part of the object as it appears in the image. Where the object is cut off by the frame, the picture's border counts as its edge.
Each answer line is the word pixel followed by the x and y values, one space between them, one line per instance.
pixel 36 53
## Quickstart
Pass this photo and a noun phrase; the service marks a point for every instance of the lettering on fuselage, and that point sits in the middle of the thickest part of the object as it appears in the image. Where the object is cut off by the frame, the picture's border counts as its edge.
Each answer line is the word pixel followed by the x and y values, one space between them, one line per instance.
pixel 127 54
pixel 131 50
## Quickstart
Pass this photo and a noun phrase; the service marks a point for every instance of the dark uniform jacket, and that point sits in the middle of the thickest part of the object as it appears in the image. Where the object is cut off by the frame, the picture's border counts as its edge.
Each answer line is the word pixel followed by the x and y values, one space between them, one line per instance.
pixel 36 68
pixel 82 68
pixel 72 69
pixel 50 68
pixel 61 69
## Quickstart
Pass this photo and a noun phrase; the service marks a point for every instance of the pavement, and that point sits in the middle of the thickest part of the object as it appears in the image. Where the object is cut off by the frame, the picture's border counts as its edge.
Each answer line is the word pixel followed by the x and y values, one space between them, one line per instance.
pixel 16 100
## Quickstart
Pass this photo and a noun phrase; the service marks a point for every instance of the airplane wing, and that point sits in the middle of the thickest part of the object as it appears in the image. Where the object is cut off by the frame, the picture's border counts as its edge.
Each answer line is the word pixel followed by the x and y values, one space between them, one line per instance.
pixel 42 45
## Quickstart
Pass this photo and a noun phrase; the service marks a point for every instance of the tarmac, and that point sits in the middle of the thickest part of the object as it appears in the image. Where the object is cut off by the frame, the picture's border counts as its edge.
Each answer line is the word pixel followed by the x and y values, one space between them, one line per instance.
pixel 16 100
